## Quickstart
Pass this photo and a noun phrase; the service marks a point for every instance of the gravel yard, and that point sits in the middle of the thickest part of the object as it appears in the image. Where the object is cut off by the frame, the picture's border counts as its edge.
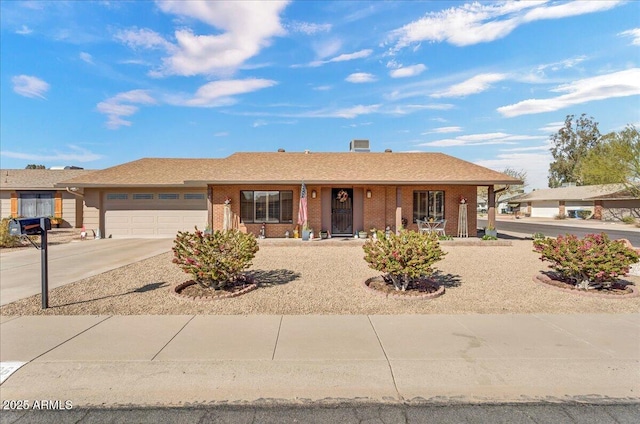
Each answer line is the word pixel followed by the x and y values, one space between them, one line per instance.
pixel 317 278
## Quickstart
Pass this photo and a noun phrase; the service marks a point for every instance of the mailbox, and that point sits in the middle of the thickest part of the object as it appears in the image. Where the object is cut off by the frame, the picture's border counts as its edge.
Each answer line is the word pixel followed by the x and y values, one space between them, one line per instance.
pixel 28 226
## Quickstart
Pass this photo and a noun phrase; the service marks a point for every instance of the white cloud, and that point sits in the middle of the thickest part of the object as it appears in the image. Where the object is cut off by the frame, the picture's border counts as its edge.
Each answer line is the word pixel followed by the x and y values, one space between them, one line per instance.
pixel 443 130
pixel 341 58
pixel 552 127
pixel 243 28
pixel 536 165
pixel 634 34
pixel 322 88
pixel 308 28
pixel 219 93
pixel 411 108
pixel 360 77
pixel 480 22
pixel 617 84
pixel 74 154
pixel 24 30
pixel 259 123
pixel 473 85
pixel 221 134
pixel 408 71
pixel 28 86
pixel 481 139
pixel 86 57
pixel 143 38
pixel 347 113
pixel 121 105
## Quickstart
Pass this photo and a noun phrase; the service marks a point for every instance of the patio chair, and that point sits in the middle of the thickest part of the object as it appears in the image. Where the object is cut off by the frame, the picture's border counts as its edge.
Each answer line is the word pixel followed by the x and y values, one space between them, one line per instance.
pixel 423 226
pixel 440 228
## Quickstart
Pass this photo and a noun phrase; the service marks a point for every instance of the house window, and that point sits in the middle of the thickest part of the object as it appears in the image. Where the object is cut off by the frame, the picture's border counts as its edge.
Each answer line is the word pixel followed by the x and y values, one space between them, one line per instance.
pixel 142 196
pixel 34 204
pixel 168 196
pixel 428 205
pixel 194 196
pixel 117 196
pixel 266 206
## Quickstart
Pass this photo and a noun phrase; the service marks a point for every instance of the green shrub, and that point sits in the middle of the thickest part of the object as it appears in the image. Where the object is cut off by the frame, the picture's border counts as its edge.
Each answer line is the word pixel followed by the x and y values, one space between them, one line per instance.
pixel 214 260
pixel 486 237
pixel 538 235
pixel 584 214
pixel 628 219
pixel 593 262
pixel 404 257
pixel 6 239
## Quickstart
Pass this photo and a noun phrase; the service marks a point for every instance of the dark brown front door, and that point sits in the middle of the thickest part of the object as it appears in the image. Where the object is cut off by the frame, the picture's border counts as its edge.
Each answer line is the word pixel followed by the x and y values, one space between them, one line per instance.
pixel 342 211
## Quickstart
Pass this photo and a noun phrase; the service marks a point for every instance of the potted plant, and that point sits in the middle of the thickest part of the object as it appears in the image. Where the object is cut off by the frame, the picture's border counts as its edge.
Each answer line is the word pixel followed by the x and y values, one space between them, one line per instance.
pixel 362 234
pixel 324 234
pixel 306 232
pixel 490 231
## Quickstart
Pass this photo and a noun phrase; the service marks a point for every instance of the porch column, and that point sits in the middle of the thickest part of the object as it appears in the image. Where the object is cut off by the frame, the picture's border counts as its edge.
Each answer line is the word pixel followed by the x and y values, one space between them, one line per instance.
pixel 210 206
pixel 492 207
pixel 398 209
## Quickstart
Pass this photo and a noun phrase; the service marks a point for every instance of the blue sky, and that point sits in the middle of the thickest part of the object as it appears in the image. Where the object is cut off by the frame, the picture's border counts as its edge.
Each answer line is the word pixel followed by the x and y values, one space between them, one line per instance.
pixel 96 84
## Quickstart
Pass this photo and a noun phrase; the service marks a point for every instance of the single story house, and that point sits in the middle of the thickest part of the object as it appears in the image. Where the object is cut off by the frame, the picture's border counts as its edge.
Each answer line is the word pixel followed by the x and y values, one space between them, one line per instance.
pixel 31 192
pixel 604 201
pixel 346 192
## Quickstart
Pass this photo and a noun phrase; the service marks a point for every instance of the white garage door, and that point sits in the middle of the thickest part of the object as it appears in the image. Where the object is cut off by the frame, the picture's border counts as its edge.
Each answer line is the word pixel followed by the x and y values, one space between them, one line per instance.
pixel 149 214
pixel 547 209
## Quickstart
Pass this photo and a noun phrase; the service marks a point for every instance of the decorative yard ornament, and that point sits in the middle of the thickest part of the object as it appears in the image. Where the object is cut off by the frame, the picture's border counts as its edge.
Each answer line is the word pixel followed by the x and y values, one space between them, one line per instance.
pixel 342 196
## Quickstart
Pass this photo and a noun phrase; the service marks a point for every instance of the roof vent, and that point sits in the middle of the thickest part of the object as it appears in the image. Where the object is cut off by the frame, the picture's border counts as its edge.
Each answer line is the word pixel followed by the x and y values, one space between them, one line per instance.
pixel 281 150
pixel 388 150
pixel 359 146
pixel 306 152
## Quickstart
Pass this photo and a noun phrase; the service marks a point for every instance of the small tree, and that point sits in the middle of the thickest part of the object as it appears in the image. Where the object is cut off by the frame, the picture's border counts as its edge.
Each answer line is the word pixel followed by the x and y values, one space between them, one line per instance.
pixel 593 262
pixel 214 260
pixel 34 166
pixel 569 146
pixel 404 257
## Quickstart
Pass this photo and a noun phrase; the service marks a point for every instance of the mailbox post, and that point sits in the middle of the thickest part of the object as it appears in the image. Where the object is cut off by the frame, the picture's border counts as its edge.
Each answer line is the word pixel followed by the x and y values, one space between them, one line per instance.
pixel 32 227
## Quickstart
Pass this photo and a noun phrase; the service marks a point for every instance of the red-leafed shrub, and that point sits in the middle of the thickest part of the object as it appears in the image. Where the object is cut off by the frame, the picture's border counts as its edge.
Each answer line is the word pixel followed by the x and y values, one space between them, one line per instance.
pixel 591 262
pixel 216 259
pixel 404 257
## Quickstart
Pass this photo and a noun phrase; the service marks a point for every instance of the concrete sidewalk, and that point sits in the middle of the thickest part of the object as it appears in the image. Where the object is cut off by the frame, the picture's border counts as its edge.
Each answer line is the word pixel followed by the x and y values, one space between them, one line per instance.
pixel 20 270
pixel 113 361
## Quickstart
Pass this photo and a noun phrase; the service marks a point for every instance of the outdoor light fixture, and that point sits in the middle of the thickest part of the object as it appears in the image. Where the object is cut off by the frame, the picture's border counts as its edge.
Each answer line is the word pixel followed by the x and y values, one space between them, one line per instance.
pixel 313 194
pixel 368 194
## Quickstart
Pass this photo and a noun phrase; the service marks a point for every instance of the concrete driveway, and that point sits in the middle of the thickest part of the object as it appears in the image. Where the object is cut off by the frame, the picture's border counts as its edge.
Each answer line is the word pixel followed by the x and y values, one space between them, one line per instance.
pixel 20 274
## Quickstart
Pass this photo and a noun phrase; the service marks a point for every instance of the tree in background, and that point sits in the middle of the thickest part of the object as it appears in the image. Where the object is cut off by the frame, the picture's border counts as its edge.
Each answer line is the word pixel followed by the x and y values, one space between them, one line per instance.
pixel 570 145
pixel 506 191
pixel 34 166
pixel 615 160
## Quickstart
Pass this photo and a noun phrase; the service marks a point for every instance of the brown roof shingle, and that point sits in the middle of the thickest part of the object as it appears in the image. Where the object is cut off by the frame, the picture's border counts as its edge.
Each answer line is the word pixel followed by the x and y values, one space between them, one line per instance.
pixel 589 192
pixel 294 167
pixel 36 179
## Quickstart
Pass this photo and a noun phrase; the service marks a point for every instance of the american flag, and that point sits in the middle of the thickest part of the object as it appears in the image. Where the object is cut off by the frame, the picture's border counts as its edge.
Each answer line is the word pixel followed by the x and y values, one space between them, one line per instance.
pixel 302 209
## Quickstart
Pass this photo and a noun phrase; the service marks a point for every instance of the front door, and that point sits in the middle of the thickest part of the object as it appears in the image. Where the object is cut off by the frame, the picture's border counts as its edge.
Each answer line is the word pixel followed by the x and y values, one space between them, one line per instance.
pixel 342 211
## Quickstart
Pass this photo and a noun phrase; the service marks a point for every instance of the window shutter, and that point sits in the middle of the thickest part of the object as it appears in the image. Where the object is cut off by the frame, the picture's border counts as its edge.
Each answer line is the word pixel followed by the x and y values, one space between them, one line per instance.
pixel 14 204
pixel 57 205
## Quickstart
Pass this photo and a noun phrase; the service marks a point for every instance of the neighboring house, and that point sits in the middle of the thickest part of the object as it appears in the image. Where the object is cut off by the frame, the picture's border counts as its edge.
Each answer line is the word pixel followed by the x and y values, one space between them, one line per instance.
pixel 32 192
pixel 346 192
pixel 605 201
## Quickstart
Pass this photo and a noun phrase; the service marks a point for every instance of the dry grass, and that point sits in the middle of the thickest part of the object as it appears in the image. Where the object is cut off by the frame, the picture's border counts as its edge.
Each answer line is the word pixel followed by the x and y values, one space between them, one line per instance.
pixel 313 278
